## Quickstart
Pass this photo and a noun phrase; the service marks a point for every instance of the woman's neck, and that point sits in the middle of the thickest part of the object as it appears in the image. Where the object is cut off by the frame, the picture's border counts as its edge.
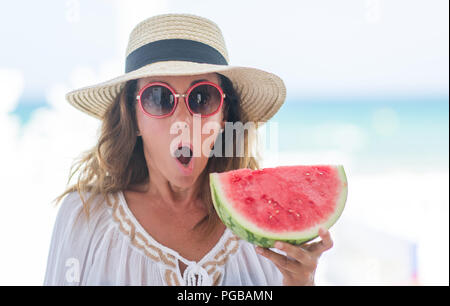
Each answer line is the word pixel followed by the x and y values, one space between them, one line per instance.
pixel 162 192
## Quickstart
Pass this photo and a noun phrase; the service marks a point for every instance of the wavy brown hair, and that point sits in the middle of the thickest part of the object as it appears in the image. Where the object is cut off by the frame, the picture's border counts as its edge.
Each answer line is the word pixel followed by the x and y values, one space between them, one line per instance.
pixel 117 161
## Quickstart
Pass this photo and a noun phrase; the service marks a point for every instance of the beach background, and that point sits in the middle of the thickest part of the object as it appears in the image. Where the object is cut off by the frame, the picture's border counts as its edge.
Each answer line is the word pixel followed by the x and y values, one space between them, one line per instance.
pixel 367 87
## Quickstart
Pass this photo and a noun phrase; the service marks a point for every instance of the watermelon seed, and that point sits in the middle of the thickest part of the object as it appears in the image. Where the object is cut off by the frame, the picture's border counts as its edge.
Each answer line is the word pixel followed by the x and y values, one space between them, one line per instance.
pixel 249 200
pixel 291 211
pixel 277 211
pixel 307 173
pixel 320 173
pixel 235 179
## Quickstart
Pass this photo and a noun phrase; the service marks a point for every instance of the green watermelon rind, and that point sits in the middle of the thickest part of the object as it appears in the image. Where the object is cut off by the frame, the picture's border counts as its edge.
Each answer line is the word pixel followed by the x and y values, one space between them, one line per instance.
pixel 255 235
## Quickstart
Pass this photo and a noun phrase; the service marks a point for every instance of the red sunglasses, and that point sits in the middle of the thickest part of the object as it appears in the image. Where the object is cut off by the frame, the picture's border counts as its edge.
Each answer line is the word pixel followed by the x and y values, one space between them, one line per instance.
pixel 159 100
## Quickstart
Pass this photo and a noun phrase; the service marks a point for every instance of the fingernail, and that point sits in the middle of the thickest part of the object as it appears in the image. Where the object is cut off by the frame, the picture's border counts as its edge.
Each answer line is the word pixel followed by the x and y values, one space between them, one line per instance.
pixel 278 245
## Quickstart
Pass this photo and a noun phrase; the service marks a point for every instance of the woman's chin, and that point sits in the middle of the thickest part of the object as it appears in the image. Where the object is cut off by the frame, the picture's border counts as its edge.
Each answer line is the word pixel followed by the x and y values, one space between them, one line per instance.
pixel 183 181
pixel 185 176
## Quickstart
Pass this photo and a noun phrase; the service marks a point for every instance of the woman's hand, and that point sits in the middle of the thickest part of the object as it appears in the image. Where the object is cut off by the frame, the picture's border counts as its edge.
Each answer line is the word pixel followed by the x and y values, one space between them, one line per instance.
pixel 299 266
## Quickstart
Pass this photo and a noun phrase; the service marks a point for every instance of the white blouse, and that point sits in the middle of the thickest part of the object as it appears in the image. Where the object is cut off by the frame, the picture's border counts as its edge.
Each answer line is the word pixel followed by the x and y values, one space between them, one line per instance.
pixel 114 249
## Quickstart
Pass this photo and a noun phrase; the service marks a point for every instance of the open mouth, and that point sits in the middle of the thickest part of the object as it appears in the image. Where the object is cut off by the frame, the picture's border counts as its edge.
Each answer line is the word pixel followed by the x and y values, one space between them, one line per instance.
pixel 183 154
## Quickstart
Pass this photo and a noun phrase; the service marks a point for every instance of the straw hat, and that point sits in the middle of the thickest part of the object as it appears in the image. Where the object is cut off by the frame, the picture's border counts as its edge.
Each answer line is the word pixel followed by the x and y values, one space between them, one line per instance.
pixel 184 44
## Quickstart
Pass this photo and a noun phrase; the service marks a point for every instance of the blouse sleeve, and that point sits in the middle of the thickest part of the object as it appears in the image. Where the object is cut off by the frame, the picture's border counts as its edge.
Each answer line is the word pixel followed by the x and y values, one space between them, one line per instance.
pixel 249 268
pixel 274 276
pixel 68 247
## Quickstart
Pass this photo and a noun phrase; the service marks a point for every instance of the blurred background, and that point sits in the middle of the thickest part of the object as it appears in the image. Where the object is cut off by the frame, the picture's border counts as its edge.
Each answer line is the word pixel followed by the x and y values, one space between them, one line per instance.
pixel 367 87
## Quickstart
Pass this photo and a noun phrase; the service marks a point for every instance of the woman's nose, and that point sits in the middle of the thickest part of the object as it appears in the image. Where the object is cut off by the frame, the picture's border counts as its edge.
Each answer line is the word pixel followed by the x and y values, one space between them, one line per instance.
pixel 182 112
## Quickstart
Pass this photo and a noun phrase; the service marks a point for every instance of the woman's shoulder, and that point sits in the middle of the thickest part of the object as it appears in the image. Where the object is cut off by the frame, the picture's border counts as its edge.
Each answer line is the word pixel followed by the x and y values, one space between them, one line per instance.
pixel 86 202
pixel 76 238
pixel 70 204
pixel 77 216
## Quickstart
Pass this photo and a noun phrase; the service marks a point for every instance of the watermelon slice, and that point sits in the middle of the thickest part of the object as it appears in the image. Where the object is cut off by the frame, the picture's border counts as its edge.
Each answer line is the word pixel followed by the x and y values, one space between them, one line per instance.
pixel 287 203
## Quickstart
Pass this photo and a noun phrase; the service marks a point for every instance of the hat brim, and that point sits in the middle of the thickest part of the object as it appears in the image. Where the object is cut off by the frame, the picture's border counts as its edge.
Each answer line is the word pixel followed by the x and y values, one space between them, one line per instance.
pixel 261 93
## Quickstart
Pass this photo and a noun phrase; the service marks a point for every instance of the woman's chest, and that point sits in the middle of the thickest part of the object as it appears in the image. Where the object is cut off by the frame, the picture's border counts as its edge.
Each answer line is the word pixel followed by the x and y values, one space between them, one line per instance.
pixel 178 232
pixel 191 244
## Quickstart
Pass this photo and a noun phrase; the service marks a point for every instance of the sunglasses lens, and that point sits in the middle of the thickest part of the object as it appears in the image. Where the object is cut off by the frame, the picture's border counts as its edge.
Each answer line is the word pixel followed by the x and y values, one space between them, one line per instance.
pixel 204 99
pixel 157 100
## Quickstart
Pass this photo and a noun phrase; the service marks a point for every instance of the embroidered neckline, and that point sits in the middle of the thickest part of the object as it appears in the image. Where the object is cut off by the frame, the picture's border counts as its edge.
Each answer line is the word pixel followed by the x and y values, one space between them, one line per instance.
pixel 212 263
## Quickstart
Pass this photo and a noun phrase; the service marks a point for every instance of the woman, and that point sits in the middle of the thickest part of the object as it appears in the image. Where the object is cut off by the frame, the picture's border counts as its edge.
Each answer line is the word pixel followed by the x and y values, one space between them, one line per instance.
pixel 141 210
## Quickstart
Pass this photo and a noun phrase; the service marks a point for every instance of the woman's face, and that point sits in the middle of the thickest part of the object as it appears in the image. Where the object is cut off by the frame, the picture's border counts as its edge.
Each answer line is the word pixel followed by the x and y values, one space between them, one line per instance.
pixel 161 136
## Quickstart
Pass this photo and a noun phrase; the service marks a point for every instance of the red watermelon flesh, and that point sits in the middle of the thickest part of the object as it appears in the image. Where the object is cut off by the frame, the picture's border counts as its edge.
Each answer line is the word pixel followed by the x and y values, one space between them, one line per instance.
pixel 286 203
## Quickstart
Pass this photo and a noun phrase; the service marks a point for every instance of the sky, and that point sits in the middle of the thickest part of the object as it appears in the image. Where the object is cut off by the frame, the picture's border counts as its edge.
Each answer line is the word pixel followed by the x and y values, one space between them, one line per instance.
pixel 320 48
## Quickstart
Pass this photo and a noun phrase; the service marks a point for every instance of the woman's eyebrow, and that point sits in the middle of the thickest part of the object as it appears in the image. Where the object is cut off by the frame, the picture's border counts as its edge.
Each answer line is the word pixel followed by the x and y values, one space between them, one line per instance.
pixel 198 81
pixel 192 83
